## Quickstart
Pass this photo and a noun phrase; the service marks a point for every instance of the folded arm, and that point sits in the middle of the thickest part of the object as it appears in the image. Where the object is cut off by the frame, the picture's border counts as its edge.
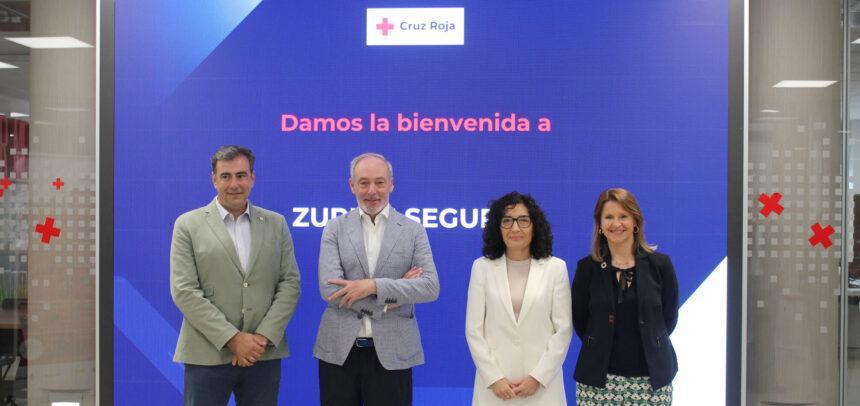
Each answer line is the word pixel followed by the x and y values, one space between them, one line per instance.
pixel 422 289
pixel 330 269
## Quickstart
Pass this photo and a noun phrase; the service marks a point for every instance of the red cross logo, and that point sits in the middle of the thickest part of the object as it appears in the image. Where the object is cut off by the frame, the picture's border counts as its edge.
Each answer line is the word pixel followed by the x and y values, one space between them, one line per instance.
pixel 384 26
pixel 58 183
pixel 47 230
pixel 771 204
pixel 5 183
pixel 821 235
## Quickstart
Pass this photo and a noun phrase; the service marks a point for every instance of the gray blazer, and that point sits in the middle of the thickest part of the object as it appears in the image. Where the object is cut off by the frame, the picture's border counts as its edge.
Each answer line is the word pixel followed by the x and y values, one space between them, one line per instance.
pixel 395 333
pixel 217 299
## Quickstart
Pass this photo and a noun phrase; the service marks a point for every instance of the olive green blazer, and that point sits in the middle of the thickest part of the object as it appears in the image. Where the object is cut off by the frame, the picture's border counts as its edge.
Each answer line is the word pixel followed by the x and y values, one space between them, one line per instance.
pixel 218 299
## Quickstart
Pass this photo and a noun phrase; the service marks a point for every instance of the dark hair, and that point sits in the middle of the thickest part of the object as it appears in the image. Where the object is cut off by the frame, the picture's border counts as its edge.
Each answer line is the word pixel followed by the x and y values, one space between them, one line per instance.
pixel 494 245
pixel 229 153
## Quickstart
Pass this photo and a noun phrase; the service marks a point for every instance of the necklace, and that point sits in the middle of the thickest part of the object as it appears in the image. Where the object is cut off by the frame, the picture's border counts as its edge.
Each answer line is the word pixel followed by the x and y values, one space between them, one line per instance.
pixel 626 264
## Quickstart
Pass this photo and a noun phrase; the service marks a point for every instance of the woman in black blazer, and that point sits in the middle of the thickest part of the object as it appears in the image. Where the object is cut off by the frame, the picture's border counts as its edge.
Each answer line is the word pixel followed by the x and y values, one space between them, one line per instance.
pixel 625 305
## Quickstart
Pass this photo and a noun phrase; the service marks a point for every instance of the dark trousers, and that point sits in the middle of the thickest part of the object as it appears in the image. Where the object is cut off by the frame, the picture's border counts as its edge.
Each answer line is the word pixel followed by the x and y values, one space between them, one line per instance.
pixel 207 385
pixel 363 381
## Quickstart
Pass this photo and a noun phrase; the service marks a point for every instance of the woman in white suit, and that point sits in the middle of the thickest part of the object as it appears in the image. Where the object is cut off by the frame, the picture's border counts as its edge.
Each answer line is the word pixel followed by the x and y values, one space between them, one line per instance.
pixel 518 316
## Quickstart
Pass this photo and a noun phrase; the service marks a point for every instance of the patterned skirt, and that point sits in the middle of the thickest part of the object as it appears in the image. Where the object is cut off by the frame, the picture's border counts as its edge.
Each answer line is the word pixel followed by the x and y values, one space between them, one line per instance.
pixel 623 391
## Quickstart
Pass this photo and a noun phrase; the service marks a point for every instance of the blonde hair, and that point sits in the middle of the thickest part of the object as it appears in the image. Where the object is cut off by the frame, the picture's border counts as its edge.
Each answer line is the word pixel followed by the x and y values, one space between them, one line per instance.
pixel 599 247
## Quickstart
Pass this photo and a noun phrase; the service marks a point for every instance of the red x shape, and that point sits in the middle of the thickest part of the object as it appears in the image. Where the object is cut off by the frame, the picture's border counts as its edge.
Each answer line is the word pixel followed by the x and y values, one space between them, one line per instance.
pixel 771 204
pixel 821 235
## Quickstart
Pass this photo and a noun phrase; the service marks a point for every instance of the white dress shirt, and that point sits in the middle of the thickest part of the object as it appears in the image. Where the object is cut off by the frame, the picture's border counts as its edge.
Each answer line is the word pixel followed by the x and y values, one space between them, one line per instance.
pixel 239 230
pixel 373 232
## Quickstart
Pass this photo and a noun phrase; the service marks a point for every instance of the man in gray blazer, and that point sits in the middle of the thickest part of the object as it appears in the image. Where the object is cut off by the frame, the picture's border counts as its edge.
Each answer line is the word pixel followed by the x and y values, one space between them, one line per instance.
pixel 375 265
pixel 233 274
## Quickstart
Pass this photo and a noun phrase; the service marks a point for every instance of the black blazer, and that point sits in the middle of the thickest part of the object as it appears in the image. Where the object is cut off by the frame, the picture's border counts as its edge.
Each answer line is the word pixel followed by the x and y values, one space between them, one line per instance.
pixel 594 317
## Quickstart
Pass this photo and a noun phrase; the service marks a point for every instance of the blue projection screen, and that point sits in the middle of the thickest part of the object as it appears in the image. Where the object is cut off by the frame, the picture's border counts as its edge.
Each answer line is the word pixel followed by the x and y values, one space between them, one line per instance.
pixel 557 99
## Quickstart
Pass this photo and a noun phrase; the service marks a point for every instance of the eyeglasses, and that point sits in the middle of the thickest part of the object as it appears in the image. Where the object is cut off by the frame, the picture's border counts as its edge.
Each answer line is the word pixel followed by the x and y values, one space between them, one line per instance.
pixel 522 221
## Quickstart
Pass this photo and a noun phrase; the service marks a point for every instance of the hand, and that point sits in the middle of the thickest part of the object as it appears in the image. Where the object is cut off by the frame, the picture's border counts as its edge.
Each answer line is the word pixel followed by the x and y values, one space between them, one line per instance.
pixel 262 340
pixel 259 339
pixel 526 387
pixel 246 348
pixel 503 389
pixel 240 361
pixel 414 273
pixel 352 291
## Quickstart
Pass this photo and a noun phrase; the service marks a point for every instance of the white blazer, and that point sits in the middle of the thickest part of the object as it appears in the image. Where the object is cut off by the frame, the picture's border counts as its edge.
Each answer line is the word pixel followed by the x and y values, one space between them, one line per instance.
pixel 536 344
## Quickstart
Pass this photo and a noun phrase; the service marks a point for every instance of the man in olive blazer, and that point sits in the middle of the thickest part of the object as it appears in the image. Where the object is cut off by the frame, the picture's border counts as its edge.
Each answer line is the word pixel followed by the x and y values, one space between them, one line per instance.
pixel 234 277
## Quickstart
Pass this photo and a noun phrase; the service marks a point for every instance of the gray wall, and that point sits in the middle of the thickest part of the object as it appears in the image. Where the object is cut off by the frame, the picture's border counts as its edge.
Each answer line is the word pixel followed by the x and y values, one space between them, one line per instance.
pixel 792 287
pixel 61 310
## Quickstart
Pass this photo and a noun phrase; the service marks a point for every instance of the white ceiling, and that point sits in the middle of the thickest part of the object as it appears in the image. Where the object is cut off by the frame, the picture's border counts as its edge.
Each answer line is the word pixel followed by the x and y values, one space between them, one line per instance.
pixel 14 83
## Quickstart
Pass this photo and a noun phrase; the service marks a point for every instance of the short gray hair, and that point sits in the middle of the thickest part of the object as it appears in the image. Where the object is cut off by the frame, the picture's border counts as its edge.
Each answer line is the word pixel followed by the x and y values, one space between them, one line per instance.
pixel 355 160
pixel 229 153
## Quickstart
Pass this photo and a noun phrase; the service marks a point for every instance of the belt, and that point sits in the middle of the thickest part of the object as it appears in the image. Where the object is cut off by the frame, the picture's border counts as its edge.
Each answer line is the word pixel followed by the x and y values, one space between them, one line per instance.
pixel 364 342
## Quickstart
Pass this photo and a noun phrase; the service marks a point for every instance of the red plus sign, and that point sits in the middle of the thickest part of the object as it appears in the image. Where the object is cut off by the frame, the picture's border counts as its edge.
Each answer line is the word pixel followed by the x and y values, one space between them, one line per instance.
pixel 384 27
pixel 771 204
pixel 47 230
pixel 58 183
pixel 5 183
pixel 821 235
